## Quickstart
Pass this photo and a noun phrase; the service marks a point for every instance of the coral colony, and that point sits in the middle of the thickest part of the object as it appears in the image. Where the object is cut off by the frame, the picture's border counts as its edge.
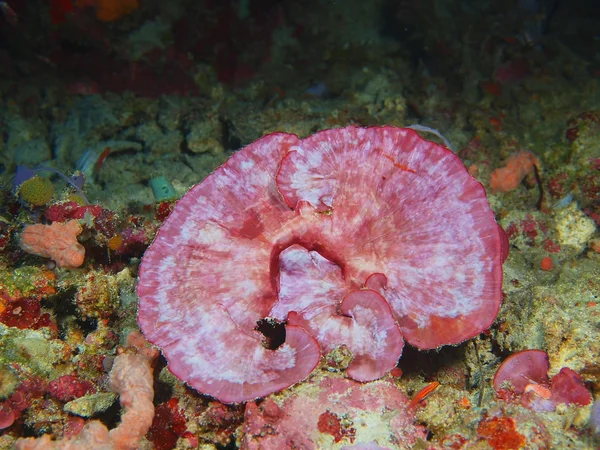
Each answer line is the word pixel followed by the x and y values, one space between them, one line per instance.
pixel 355 237
pixel 328 251
pixel 524 376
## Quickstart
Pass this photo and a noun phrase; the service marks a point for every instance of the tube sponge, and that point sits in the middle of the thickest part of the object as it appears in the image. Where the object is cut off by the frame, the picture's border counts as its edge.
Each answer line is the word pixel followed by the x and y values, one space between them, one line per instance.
pixel 130 377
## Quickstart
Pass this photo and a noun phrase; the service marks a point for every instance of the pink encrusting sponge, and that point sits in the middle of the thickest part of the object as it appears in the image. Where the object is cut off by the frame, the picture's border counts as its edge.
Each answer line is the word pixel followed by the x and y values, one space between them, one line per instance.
pixel 364 237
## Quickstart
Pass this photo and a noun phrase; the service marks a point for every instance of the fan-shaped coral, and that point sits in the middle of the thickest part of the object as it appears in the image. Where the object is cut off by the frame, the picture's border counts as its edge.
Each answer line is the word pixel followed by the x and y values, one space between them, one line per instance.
pixel 356 237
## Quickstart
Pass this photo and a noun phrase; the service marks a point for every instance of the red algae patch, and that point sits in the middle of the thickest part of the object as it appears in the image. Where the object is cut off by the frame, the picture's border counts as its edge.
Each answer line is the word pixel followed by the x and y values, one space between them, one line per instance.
pixel 546 263
pixel 362 237
pixel 501 434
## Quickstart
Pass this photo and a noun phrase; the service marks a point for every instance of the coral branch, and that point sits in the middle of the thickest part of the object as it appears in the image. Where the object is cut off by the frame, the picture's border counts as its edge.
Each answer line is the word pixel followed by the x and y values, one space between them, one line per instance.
pixel 131 378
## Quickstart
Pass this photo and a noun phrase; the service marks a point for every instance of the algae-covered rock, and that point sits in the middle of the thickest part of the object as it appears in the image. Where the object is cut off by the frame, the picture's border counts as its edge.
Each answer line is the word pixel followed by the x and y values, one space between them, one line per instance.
pixel 583 133
pixel 26 281
pixel 8 382
pixel 90 405
pixel 34 349
pixel 98 296
pixel 205 136
pixel 574 228
pixel 32 153
pixel 157 140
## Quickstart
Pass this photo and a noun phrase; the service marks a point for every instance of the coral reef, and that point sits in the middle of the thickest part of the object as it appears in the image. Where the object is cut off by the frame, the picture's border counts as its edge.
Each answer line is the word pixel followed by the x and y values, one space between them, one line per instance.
pixel 112 110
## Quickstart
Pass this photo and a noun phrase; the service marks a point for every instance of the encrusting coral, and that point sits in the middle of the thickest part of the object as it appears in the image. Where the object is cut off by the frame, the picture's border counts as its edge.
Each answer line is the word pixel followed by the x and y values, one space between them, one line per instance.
pixel 57 241
pixel 331 411
pixel 130 377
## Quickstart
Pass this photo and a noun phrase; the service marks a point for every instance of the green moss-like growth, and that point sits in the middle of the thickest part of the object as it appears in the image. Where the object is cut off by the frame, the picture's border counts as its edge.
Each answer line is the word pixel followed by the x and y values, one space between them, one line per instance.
pixel 26 281
pixel 35 351
pixel 36 191
pixel 8 381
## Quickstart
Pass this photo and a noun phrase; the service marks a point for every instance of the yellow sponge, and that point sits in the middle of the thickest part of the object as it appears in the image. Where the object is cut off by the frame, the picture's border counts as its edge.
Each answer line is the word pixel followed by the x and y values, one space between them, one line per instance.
pixel 36 191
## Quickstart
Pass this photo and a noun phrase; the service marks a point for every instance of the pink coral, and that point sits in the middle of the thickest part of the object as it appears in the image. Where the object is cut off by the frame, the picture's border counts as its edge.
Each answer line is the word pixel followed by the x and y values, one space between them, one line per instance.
pixel 361 237
pixel 333 414
pixel 131 377
pixel 517 167
pixel 525 376
pixel 20 400
pixel 57 241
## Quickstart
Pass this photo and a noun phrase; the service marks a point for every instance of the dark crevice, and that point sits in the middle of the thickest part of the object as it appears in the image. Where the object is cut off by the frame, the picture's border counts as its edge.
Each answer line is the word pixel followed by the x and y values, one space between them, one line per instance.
pixel 426 363
pixel 229 140
pixel 273 331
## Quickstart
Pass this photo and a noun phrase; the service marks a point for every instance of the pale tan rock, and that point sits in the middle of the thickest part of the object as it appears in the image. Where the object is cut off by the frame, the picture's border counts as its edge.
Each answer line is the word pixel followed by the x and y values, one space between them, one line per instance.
pixel 574 228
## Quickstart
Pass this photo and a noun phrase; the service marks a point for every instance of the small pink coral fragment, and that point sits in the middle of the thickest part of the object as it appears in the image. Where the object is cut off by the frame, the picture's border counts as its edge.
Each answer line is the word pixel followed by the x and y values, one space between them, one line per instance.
pixel 522 368
pixel 57 241
pixel 567 387
pixel 7 418
pixel 517 167
pixel 525 374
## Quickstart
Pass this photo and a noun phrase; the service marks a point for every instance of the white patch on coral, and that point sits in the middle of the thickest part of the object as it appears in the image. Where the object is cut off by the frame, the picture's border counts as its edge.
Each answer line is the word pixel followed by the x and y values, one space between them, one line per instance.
pixel 209 234
pixel 247 164
pixel 167 264
pixel 314 159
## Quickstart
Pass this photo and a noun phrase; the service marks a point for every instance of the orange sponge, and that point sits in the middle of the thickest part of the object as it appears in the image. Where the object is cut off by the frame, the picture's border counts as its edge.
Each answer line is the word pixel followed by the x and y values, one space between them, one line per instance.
pixel 517 167
pixel 57 241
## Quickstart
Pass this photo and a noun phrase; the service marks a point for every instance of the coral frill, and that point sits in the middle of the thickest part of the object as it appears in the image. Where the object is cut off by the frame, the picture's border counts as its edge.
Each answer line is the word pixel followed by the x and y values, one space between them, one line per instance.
pixel 293 231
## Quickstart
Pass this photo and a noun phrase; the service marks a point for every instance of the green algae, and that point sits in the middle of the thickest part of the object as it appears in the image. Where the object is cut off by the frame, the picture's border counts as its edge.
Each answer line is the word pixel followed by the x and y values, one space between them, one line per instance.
pixel 34 351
